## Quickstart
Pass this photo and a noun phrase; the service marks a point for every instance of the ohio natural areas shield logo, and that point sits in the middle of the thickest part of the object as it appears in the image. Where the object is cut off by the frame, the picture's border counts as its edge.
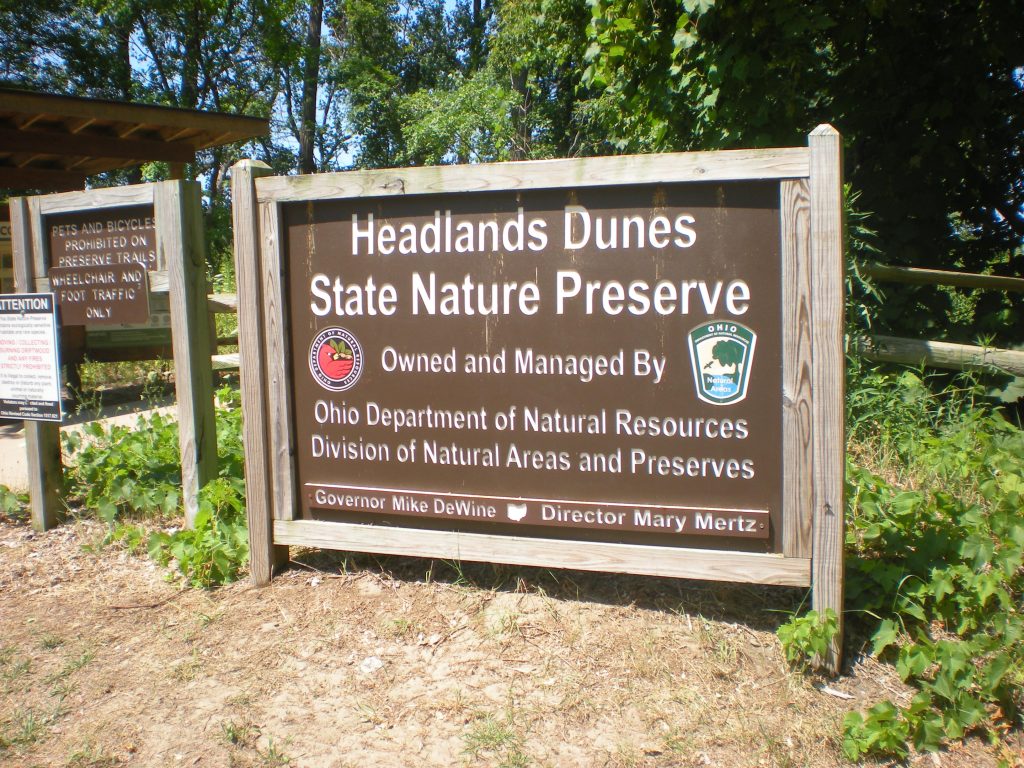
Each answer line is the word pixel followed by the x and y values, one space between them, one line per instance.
pixel 335 359
pixel 721 354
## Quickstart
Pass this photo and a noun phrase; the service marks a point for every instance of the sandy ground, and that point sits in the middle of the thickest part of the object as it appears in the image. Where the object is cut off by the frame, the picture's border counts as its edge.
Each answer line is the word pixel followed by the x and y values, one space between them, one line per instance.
pixel 402 662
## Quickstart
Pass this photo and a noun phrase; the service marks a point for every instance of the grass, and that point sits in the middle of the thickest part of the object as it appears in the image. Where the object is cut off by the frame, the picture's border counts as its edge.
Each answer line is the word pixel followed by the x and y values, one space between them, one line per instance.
pixel 489 736
pixel 72 665
pixel 273 756
pixel 91 756
pixel 50 642
pixel 24 728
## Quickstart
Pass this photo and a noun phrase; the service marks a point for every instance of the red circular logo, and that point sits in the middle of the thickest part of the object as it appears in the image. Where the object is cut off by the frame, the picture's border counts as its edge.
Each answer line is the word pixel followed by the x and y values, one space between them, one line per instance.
pixel 335 359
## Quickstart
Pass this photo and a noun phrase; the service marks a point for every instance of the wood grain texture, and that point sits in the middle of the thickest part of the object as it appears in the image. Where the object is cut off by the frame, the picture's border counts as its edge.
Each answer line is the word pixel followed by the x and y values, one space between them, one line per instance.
pixel 251 350
pixel 42 439
pixel 942 354
pixel 740 164
pixel 547 553
pixel 797 481
pixel 829 437
pixel 179 236
pixel 40 247
pixel 279 395
pixel 111 197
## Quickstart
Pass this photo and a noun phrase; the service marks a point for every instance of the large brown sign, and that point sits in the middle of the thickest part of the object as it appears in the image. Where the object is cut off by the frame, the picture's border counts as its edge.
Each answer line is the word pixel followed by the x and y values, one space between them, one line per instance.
pixel 600 363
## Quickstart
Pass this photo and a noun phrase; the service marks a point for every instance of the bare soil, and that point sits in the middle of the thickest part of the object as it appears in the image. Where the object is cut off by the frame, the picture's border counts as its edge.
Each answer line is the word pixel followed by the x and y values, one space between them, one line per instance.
pixel 360 661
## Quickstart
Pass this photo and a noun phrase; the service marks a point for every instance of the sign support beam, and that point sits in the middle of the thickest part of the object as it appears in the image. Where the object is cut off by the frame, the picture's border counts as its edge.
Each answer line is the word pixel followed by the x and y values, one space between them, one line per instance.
pixel 264 556
pixel 828 377
pixel 179 235
pixel 42 439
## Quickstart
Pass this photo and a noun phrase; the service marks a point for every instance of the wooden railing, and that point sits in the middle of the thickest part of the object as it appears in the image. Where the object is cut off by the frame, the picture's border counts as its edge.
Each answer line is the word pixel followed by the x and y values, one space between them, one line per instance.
pixel 942 354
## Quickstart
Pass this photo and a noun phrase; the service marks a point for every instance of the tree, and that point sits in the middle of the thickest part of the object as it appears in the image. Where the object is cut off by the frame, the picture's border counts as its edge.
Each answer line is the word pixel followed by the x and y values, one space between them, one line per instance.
pixel 929 98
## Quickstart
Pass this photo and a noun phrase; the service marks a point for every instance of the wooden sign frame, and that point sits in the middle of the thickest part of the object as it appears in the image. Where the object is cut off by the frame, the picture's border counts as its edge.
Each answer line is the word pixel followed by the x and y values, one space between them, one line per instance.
pixel 811 226
pixel 181 251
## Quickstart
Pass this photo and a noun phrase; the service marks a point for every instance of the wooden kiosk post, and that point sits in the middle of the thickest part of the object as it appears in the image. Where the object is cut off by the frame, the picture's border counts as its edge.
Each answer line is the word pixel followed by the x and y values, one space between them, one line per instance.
pixel 42 439
pixel 829 379
pixel 181 271
pixel 264 557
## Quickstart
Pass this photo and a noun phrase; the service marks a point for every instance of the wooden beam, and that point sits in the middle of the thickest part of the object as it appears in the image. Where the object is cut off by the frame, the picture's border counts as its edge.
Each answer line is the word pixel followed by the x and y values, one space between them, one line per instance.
pixel 828 442
pixel 798 359
pixel 42 439
pixel 264 557
pixel 941 354
pixel 669 168
pixel 917 276
pixel 39 178
pixel 179 233
pixel 92 145
pixel 672 562
pixel 237 126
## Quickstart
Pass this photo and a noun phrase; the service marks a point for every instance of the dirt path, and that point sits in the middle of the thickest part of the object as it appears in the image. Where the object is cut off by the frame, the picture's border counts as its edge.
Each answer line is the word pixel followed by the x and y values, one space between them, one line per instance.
pixel 364 662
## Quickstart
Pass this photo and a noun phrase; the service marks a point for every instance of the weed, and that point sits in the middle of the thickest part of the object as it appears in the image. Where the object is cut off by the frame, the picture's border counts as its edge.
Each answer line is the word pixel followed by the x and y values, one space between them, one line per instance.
pixel 13 505
pixel 216 548
pixel 62 689
pixel 24 728
pixel 498 738
pixel 239 735
pixel 400 627
pixel 120 471
pixel 272 756
pixel 678 741
pixel 807 637
pixel 50 642
pixel 91 756
pixel 74 664
pixel 935 564
pixel 187 670
pixel 15 670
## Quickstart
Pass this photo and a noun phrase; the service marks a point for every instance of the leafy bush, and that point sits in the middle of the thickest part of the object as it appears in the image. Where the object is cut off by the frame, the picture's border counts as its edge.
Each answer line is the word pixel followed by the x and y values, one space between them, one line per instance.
pixel 935 564
pixel 121 472
pixel 13 505
pixel 216 548
pixel 807 636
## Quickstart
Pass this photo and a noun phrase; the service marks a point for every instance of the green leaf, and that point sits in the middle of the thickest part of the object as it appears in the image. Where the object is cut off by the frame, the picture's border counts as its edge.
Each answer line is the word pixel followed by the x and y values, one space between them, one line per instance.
pixel 886 635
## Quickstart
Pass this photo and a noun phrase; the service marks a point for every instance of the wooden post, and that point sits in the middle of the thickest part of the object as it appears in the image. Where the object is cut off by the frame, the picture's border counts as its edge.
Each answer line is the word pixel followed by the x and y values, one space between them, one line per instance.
pixel 42 439
pixel 264 557
pixel 827 377
pixel 179 236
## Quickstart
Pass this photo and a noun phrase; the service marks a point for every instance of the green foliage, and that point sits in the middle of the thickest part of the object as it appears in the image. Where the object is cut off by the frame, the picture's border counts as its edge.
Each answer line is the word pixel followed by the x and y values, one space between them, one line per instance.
pixel 808 636
pixel 936 561
pixel 216 548
pixel 926 95
pixel 469 121
pixel 13 505
pixel 121 472
pixel 118 470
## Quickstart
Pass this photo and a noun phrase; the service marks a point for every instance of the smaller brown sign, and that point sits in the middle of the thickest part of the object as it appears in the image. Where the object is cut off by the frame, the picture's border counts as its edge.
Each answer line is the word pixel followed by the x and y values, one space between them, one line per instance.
pixel 115 294
pixel 104 237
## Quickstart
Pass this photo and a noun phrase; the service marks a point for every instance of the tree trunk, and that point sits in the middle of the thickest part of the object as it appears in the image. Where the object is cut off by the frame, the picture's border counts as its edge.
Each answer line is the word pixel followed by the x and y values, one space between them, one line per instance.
pixel 310 82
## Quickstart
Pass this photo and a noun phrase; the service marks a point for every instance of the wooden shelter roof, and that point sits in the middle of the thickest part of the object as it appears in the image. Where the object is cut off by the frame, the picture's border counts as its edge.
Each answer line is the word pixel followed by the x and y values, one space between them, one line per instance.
pixel 54 142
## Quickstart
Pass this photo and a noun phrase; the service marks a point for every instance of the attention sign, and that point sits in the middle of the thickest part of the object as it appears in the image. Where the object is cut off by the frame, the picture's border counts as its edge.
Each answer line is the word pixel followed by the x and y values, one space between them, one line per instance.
pixel 604 363
pixel 29 365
